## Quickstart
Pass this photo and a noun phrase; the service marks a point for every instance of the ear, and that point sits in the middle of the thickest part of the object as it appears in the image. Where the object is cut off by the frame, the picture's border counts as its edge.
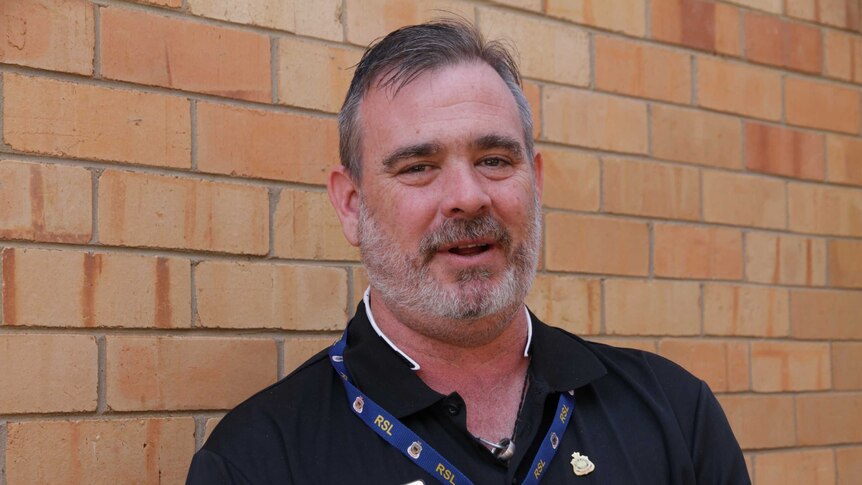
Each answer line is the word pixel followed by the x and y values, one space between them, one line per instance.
pixel 344 195
pixel 538 173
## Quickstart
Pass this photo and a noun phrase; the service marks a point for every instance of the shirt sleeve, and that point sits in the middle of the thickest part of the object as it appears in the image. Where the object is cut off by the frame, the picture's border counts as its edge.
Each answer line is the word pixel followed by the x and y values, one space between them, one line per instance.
pixel 716 454
pixel 210 468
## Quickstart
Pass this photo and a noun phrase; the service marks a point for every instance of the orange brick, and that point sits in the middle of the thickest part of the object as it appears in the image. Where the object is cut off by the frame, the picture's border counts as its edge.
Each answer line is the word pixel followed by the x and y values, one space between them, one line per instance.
pixel 651 189
pixel 824 209
pixel 839 55
pixel 533 93
pixel 176 373
pixel 265 13
pixel 636 307
pixel 801 9
pixel 808 466
pixel 790 366
pixel 745 310
pixel 773 6
pixel 58 35
pixel 321 237
pixel 45 202
pixel 164 51
pixel 785 260
pixel 549 51
pixel 100 451
pixel 596 245
pixel 570 303
pixel 771 40
pixel 693 136
pixel 697 252
pixel 845 263
pixel 82 121
pixel 849 463
pixel 743 200
pixel 47 373
pixel 613 123
pixel 825 314
pixel 645 344
pixel 571 180
pixel 847 365
pixel 368 20
pixel 839 13
pixel 242 295
pixel 738 88
pixel 137 209
pixel 723 365
pixel 760 421
pixel 700 24
pixel 829 418
pixel 783 151
pixel 314 75
pixel 642 70
pixel 616 15
pixel 265 144
pixel 844 159
pixel 76 289
pixel 299 349
pixel 821 105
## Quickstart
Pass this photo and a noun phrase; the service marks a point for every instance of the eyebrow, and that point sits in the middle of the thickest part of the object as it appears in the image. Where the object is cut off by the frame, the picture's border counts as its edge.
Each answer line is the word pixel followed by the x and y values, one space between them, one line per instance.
pixel 511 145
pixel 412 151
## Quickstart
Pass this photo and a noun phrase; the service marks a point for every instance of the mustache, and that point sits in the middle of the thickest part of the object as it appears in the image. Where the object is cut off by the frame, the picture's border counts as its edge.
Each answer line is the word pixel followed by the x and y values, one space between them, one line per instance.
pixel 454 230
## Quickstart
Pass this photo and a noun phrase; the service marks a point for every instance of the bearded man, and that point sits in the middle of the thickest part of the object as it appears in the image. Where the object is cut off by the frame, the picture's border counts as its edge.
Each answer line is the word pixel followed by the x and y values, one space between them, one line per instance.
pixel 443 375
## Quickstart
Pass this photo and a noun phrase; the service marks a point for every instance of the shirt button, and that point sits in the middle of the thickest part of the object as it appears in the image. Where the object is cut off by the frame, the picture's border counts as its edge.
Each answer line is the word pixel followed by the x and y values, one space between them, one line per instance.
pixel 453 409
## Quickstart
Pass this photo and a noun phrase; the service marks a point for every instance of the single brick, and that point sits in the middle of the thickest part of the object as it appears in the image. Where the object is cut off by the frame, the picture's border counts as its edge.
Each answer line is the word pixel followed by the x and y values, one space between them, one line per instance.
pixel 299 349
pixel 701 24
pixel 49 288
pixel 368 20
pixel 847 365
pixel 764 421
pixel 549 51
pixel 636 307
pixel 801 9
pixel 321 237
pixel 839 54
pixel 822 105
pixel 314 75
pixel 825 314
pixel 694 136
pixel 642 70
pixel 822 209
pixel 771 40
pixel 738 88
pixel 845 263
pixel 137 209
pixel 785 260
pixel 58 35
pixel 743 200
pixel 265 144
pixel 177 373
pixel 651 189
pixel 571 303
pixel 697 252
pixel 43 202
pixel 154 450
pixel 784 151
pixel 772 6
pixel 47 373
pixel 614 124
pixel 571 180
pixel 320 18
pixel 596 245
pixel 825 419
pixel 804 466
pixel 844 159
pixel 745 311
pixel 275 14
pixel 849 464
pixel 790 366
pixel 82 121
pixel 722 364
pixel 152 49
pixel 839 13
pixel 616 15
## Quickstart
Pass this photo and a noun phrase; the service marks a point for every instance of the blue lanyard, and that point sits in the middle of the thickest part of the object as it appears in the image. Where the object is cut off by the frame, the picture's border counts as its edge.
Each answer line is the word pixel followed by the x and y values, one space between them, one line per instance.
pixel 417 450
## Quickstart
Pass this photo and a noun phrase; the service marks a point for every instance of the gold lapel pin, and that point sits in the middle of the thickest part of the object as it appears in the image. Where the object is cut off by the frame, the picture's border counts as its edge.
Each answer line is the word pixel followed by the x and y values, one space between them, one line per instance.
pixel 581 464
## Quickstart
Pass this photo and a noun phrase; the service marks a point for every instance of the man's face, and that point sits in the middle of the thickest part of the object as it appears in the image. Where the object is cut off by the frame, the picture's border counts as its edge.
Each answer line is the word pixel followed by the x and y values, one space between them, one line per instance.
pixel 450 221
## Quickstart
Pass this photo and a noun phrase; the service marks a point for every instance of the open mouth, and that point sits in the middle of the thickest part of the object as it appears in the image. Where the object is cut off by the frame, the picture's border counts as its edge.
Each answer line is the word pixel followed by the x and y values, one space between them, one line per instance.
pixel 471 249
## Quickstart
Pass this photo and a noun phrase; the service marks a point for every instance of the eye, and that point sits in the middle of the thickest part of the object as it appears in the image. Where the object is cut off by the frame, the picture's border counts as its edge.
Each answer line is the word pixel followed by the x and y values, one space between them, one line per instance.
pixel 418 168
pixel 494 162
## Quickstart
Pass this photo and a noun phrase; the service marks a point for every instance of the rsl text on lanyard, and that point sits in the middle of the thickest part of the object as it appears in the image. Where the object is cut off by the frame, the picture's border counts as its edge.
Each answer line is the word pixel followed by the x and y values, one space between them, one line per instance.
pixel 421 453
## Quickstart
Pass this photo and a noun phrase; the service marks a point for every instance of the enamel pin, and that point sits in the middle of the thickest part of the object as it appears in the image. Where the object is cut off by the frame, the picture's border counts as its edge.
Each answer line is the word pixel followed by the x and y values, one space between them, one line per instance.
pixel 581 464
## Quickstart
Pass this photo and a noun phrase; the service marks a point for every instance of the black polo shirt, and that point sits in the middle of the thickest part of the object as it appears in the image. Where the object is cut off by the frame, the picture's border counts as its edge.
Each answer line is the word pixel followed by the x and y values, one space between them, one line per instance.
pixel 640 419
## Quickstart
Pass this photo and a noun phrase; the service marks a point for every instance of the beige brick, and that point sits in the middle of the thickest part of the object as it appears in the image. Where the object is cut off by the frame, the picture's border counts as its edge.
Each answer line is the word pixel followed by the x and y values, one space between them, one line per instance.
pixel 801 9
pixel 76 289
pixel 745 310
pixel 651 189
pixel 723 365
pixel 265 144
pixel 764 421
pixel 845 263
pixel 645 344
pixel 794 45
pixel 368 20
pixel 743 200
pixel 533 93
pixel 44 202
pixel 844 159
pixel 822 105
pixel 82 121
pixel 147 48
pixel 47 373
pixel 790 366
pixel 137 209
pixel 613 123
pixel 535 5
pixel 320 18
pixel 573 304
pixel 299 349
pixel 822 314
pixel 634 307
pixel 314 75
pixel 571 180
pixel 829 418
pixel 738 88
pixel 616 15
pixel 58 35
pixel 697 252
pixel 275 14
pixel 785 260
pixel 839 13
pixel 849 464
pixel 704 25
pixel 321 237
pixel 847 365
pixel 177 373
pixel 839 55
pixel 805 466
pixel 782 151
pixel 360 284
pixel 772 6
pixel 209 426
pixel 596 245
pixel 642 70
pixel 821 209
pixel 100 451
pixel 693 136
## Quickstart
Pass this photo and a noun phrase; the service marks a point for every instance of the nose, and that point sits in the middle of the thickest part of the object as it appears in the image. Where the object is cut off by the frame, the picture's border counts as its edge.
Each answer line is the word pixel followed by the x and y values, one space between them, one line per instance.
pixel 465 193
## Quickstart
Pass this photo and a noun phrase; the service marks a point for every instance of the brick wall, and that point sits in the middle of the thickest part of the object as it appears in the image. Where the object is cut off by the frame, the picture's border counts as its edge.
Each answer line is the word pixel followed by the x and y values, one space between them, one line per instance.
pixel 168 248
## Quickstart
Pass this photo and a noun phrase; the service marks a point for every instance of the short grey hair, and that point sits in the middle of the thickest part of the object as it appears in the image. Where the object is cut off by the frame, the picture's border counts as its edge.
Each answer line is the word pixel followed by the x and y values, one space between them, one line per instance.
pixel 408 52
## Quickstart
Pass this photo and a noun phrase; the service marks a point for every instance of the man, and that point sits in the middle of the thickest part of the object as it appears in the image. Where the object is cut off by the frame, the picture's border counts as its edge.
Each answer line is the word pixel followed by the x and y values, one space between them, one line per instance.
pixel 443 375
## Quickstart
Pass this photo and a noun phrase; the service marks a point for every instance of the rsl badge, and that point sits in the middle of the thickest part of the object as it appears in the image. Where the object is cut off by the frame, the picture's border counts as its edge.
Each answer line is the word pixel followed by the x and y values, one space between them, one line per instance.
pixel 581 464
